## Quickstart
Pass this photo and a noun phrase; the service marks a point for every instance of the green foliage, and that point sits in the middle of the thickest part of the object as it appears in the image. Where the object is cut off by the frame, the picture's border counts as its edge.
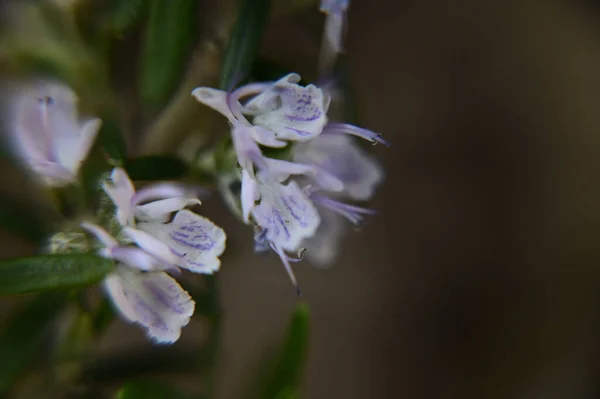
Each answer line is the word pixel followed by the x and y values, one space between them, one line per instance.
pixel 245 41
pixel 284 379
pixel 149 390
pixel 166 44
pixel 156 167
pixel 52 272
pixel 123 14
pixel 112 141
pixel 23 336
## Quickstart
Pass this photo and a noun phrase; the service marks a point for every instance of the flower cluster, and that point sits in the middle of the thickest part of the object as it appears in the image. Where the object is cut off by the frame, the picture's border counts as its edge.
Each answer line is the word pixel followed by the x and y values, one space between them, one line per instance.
pixel 295 202
pixel 281 198
pixel 152 242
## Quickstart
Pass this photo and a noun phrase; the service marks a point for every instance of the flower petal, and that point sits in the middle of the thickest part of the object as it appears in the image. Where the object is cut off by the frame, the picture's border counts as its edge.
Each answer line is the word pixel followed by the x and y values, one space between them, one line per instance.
pixel 249 194
pixel 291 111
pixel 113 284
pixel 87 136
pixel 215 99
pixel 159 191
pixel 101 234
pixel 194 240
pixel 340 156
pixel 151 244
pixel 285 212
pixel 159 304
pixel 121 191
pixel 283 169
pixel 135 258
pixel 159 211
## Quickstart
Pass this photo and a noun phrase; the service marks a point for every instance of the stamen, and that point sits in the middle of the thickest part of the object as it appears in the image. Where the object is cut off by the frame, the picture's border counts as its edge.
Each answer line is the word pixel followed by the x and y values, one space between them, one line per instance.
pixel 351 212
pixel 285 259
pixel 345 128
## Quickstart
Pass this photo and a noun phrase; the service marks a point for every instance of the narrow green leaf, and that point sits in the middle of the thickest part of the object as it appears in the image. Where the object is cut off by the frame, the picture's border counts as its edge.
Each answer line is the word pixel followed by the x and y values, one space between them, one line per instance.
pixel 166 44
pixel 285 376
pixel 149 390
pixel 244 42
pixel 156 167
pixel 23 336
pixel 52 272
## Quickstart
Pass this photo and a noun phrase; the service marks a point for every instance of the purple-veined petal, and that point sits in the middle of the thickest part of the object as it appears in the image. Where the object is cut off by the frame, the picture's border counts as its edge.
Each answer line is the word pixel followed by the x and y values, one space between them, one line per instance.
pixel 159 211
pixel 157 303
pixel 285 212
pixel 151 244
pixel 121 191
pixel 102 235
pixel 249 195
pixel 195 241
pixel 290 111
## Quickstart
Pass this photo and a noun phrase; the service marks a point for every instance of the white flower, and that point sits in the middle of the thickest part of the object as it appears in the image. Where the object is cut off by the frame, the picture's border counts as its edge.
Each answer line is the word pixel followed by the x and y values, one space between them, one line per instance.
pixel 141 292
pixel 188 240
pixel 280 111
pixel 47 133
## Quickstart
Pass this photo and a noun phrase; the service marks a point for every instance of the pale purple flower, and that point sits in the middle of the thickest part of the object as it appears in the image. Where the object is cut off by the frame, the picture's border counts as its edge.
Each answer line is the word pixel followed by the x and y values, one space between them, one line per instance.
pixel 141 291
pixel 333 34
pixel 285 113
pixel 280 111
pixel 188 240
pixel 339 156
pixel 47 134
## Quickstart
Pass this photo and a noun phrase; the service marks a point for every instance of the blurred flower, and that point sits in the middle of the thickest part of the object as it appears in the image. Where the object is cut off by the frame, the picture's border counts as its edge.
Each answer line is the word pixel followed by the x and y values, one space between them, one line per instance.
pixel 141 292
pixel 333 35
pixel 47 134
pixel 188 240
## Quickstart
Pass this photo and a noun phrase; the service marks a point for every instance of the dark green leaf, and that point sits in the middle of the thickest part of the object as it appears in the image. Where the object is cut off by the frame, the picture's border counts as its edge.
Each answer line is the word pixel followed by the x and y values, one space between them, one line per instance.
pixel 167 41
pixel 156 167
pixel 52 272
pixel 112 142
pixel 124 13
pixel 24 335
pixel 149 390
pixel 103 316
pixel 244 42
pixel 285 376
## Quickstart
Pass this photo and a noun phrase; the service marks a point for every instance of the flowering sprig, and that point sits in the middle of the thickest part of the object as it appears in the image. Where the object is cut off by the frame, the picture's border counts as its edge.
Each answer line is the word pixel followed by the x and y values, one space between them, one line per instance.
pixel 140 287
pixel 279 114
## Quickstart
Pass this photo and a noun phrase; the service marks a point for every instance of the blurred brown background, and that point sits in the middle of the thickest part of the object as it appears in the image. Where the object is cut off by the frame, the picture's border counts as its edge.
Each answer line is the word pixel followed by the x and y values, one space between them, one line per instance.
pixel 480 276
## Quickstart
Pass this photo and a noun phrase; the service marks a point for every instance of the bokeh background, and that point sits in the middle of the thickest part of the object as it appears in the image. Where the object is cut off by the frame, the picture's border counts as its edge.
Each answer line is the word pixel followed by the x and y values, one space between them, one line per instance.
pixel 480 275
